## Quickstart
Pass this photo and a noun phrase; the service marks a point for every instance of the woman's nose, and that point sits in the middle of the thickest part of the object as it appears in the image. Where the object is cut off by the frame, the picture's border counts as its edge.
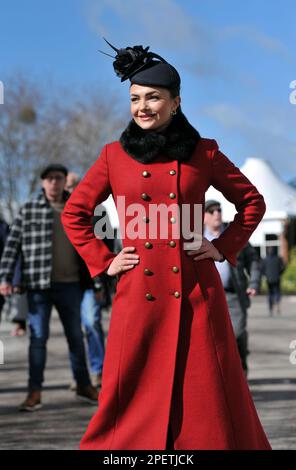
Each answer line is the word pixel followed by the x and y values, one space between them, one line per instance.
pixel 143 105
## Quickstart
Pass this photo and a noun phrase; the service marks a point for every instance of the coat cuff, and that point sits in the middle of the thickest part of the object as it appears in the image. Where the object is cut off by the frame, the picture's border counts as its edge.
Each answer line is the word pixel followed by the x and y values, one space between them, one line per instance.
pixel 105 265
pixel 230 257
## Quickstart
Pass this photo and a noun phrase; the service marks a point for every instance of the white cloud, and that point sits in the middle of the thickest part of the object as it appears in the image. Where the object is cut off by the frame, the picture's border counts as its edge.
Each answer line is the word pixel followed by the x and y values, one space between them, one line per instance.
pixel 165 25
pixel 162 24
pixel 155 21
pixel 252 34
pixel 266 131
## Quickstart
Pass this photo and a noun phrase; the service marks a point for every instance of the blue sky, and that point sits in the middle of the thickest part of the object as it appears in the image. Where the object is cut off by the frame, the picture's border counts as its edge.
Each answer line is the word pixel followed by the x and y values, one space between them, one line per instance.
pixel 236 60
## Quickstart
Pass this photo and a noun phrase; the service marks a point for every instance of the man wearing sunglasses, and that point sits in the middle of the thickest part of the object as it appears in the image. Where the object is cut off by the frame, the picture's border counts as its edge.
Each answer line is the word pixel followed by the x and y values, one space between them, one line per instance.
pixel 238 285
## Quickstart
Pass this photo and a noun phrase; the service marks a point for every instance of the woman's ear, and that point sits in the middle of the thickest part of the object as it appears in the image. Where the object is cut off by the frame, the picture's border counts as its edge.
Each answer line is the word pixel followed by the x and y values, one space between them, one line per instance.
pixel 177 101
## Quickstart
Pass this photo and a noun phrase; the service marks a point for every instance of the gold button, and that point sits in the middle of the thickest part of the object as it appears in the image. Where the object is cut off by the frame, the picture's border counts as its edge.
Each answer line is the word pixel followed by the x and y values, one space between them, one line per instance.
pixel 148 272
pixel 172 243
pixel 172 195
pixel 173 220
pixel 172 172
pixel 177 294
pixel 148 245
pixel 175 269
pixel 149 296
pixel 146 174
pixel 144 196
pixel 146 219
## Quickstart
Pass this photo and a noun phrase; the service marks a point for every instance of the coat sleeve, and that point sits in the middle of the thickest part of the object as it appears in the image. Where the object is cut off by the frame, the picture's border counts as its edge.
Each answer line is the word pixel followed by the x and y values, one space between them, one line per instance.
pixel 249 203
pixel 78 212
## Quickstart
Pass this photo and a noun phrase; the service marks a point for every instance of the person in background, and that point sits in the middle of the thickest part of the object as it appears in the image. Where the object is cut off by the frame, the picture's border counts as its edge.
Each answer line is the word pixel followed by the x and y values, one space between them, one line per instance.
pixel 94 298
pixel 20 328
pixel 52 274
pixel 238 288
pixel 272 268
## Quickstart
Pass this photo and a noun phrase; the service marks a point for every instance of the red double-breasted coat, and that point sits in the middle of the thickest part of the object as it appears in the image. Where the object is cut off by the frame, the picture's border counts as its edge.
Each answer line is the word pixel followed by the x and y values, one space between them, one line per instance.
pixel 171 356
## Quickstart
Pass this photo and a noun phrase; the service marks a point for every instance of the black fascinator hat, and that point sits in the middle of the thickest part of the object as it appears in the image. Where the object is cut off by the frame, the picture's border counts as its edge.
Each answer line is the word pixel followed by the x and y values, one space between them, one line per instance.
pixel 144 67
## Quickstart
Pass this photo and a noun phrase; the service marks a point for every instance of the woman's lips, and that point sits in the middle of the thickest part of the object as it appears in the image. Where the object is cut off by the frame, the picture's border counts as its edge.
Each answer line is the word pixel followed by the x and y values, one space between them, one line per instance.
pixel 146 117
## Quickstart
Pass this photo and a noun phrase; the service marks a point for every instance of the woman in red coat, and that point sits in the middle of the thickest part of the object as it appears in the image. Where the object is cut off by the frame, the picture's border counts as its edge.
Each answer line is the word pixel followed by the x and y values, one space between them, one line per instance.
pixel 172 376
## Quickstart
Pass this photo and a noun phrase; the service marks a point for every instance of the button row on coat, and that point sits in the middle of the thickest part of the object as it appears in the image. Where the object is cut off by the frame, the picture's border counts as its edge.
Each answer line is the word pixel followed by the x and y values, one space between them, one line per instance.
pixel 149 245
pixel 146 196
pixel 146 173
pixel 149 296
pixel 148 272
pixel 147 220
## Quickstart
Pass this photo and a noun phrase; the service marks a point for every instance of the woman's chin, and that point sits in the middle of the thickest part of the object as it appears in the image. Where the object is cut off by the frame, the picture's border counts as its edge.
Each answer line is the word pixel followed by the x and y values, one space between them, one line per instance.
pixel 147 125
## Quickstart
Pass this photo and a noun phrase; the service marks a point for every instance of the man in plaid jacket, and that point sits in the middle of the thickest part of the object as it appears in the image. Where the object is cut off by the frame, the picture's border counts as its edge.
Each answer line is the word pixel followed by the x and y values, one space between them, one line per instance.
pixel 53 274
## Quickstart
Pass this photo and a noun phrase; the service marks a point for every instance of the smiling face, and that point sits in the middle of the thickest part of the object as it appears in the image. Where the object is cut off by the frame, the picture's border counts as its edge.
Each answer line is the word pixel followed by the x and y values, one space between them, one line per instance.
pixel 152 107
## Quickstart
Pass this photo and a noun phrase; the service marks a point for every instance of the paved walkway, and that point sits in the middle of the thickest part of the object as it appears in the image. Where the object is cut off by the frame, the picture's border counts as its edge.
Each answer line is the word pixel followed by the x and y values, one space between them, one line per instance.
pixel 62 421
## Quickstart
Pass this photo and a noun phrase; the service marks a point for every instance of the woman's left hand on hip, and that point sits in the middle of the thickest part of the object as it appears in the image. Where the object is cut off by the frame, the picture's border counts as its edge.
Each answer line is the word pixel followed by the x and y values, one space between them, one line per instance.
pixel 206 250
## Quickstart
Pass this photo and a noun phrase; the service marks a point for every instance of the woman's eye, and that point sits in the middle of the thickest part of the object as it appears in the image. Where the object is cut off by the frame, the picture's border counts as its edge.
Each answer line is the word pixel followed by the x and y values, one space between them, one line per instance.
pixel 133 100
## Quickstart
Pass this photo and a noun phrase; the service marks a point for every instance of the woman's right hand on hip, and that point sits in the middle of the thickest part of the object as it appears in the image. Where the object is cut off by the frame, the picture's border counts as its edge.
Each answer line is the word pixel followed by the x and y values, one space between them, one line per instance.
pixel 124 261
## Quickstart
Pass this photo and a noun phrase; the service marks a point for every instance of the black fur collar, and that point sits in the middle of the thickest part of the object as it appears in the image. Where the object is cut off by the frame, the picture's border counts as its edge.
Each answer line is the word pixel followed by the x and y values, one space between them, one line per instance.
pixel 177 141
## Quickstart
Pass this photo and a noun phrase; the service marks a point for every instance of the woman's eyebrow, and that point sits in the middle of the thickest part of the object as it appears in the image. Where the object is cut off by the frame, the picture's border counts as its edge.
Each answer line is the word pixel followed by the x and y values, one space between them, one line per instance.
pixel 150 93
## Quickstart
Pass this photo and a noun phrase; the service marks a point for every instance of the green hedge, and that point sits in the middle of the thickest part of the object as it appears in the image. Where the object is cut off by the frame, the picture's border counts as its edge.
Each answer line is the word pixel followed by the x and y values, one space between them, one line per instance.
pixel 289 275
